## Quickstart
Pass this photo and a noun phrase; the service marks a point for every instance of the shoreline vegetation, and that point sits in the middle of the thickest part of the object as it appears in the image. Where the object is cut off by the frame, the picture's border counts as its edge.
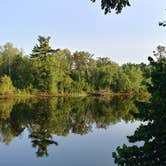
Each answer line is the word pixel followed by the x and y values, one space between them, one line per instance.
pixel 49 72
pixel 92 94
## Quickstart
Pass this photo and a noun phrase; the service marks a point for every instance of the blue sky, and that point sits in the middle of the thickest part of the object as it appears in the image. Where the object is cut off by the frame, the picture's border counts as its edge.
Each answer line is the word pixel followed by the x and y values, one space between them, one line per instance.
pixel 80 25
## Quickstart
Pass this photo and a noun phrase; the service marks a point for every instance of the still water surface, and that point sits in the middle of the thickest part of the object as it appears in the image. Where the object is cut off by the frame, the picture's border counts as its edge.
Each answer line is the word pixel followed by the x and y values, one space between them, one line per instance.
pixel 64 131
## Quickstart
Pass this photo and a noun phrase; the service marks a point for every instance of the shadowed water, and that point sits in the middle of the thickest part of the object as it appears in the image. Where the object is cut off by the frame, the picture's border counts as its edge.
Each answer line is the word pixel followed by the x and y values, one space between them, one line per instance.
pixel 64 131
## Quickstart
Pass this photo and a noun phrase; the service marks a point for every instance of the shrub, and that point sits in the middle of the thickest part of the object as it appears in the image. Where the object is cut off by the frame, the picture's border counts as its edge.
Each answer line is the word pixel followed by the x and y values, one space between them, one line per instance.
pixel 6 85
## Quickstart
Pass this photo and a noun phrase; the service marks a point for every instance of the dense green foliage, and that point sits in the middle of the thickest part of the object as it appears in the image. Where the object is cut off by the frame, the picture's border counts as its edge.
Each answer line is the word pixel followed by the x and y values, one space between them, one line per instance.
pixel 153 132
pixel 6 86
pixel 47 118
pixel 53 71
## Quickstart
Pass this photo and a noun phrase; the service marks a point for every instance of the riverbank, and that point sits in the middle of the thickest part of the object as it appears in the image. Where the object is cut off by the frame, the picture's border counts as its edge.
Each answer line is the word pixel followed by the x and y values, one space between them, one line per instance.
pixel 90 94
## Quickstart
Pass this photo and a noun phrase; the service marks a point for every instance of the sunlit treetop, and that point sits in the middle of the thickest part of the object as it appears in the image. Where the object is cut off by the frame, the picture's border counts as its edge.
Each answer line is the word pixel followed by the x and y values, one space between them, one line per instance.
pixel 109 5
pixel 43 48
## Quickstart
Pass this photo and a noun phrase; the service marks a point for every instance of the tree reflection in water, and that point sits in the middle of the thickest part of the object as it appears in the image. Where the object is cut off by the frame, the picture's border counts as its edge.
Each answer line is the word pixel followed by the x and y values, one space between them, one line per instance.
pixel 60 116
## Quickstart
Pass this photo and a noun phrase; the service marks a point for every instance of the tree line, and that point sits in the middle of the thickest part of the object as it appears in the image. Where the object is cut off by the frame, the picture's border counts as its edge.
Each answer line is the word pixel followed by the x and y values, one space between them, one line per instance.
pixel 53 71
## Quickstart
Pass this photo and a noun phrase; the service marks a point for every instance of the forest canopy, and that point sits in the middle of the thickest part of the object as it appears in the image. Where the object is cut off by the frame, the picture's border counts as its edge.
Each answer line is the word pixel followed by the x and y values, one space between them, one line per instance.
pixel 59 71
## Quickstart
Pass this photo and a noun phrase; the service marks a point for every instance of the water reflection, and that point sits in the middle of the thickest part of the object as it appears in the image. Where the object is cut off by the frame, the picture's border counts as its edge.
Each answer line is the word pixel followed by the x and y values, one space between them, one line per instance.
pixel 60 116
pixel 152 134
